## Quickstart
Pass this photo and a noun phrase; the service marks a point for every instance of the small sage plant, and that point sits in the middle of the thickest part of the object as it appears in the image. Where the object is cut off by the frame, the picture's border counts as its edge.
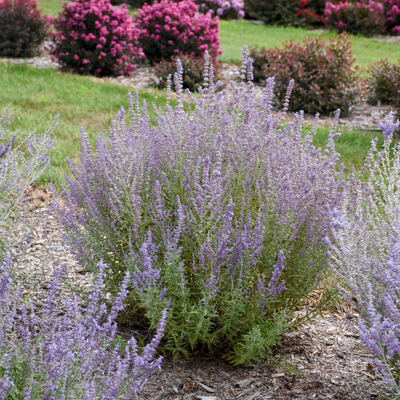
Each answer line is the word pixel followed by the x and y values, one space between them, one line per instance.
pixel 365 252
pixel 65 353
pixel 220 208
pixel 20 166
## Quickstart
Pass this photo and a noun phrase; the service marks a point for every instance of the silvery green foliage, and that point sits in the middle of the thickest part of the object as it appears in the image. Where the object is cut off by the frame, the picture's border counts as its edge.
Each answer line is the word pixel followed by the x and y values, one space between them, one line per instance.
pixel 365 252
pixel 19 168
pixel 65 353
pixel 220 208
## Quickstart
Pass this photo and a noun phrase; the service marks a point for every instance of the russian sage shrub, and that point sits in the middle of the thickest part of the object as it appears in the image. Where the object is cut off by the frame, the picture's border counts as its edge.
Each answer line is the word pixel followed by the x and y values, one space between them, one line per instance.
pixel 219 209
pixel 192 71
pixel 19 168
pixel 65 353
pixel 365 253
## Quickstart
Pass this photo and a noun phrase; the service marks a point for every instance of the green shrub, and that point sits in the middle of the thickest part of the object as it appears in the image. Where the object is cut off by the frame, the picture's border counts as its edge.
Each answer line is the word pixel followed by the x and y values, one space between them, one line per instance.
pixel 324 76
pixel 384 83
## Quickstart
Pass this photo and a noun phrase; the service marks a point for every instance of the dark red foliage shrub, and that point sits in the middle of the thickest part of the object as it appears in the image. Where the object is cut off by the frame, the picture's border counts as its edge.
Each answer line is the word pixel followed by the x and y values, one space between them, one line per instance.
pixel 384 83
pixel 170 28
pixel 367 18
pixel 22 28
pixel 289 12
pixel 94 38
pixel 324 75
pixel 132 3
pixel 260 58
pixel 193 68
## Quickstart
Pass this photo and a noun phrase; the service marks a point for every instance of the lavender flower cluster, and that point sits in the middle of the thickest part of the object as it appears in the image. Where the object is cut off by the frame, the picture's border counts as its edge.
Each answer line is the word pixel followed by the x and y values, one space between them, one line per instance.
pixel 219 209
pixel 365 252
pixel 65 353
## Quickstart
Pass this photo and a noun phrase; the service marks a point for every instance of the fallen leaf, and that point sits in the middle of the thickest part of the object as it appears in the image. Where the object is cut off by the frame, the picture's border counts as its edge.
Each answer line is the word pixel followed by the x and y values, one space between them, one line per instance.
pixel 366 373
pixel 278 375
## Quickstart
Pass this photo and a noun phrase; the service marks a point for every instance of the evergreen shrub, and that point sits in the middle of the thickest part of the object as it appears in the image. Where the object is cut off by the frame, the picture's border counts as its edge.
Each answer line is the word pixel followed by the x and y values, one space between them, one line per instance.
pixel 324 74
pixel 219 209
pixel 171 28
pixel 94 38
pixel 192 71
pixel 22 28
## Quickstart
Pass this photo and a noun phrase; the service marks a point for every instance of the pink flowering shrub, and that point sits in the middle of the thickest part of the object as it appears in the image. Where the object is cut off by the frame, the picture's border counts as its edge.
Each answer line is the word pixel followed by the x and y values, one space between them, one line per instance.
pixel 170 28
pixel 361 17
pixel 227 9
pixel 22 28
pixel 364 17
pixel 94 38
pixel 392 13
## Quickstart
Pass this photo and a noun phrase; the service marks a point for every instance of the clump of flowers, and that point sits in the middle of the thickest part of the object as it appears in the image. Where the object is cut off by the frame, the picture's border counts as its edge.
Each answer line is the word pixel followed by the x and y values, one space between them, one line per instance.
pixel 220 208
pixel 227 9
pixel 22 28
pixel 360 17
pixel 171 28
pixel 365 252
pixel 94 38
pixel 64 352
pixel 192 66
pixel 324 75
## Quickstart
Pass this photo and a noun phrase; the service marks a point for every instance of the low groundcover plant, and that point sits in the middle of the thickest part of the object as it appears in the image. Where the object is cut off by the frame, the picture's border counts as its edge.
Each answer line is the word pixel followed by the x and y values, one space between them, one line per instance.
pixel 219 209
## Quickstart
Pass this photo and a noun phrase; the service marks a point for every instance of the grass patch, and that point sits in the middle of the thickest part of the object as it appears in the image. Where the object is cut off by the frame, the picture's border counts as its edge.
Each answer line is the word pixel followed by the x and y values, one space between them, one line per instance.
pixel 38 95
pixel 353 146
pixel 235 34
